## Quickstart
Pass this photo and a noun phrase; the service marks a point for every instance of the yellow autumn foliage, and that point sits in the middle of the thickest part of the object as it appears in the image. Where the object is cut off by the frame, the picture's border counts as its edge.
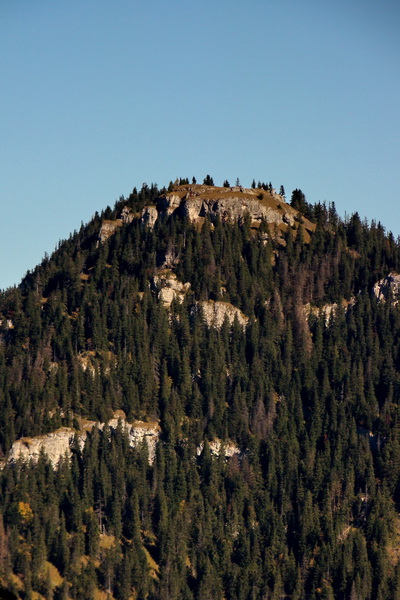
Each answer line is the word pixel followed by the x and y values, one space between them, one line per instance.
pixel 25 511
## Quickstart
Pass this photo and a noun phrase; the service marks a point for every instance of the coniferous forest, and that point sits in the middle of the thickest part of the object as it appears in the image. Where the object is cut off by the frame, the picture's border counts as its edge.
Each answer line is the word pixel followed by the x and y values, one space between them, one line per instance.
pixel 308 392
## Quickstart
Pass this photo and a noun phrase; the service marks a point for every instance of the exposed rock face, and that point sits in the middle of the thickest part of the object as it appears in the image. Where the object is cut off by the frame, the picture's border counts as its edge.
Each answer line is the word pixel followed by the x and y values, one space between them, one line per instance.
pixel 389 287
pixel 8 323
pixel 140 431
pixel 149 216
pixel 229 448
pixel 107 229
pixel 168 204
pixel 126 215
pixel 199 202
pixel 230 204
pixel 215 313
pixel 169 287
pixel 58 443
pixel 328 311
pixel 235 207
pixel 170 259
pixel 54 445
pixel 194 208
pixel 86 364
pixel 92 361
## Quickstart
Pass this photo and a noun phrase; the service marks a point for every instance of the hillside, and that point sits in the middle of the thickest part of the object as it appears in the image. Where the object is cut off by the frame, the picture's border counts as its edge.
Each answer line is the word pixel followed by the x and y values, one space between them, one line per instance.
pixel 200 399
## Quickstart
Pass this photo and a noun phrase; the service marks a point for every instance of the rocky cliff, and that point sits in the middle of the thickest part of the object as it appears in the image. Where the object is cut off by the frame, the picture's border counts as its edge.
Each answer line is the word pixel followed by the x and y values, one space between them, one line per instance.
pixel 228 448
pixel 388 287
pixel 229 204
pixel 57 444
pixel 328 311
pixel 169 288
pixel 109 227
pixel 215 312
pixel 232 204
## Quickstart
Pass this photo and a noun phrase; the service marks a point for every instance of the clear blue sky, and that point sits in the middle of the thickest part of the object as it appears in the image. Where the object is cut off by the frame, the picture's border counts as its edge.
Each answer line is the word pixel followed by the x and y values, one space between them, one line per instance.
pixel 97 97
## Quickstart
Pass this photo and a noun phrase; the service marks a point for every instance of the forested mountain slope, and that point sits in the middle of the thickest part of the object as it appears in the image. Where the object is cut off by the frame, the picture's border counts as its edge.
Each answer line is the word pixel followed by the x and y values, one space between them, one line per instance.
pixel 262 343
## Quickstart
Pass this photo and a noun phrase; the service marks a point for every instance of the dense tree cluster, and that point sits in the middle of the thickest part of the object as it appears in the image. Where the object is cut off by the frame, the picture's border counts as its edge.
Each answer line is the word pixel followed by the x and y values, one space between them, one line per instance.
pixel 309 509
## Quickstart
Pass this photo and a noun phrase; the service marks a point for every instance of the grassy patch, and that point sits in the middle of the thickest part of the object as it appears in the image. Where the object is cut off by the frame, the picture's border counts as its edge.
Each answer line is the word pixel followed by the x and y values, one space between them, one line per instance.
pixel 106 541
pixel 154 569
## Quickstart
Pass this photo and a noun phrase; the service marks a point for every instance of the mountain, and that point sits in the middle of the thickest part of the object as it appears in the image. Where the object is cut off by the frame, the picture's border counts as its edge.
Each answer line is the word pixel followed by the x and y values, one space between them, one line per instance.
pixel 200 399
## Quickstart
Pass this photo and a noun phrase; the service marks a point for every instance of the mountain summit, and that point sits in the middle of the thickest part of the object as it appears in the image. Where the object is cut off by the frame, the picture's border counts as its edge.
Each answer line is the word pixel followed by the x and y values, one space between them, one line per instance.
pixel 199 399
pixel 227 204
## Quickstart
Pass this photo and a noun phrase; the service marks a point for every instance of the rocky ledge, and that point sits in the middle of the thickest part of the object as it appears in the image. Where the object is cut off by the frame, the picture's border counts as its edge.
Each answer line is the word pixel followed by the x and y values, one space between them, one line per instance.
pixel 109 227
pixel 388 288
pixel 169 288
pixel 57 444
pixel 230 204
pixel 217 447
pixel 215 312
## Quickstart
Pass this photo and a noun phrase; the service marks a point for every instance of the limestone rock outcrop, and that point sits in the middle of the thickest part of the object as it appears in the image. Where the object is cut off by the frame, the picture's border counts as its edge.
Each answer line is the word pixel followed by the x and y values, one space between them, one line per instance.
pixel 169 287
pixel 168 204
pixel 149 216
pixel 214 313
pixel 139 432
pixel 198 202
pixel 228 448
pixel 107 229
pixel 126 215
pixel 93 361
pixel 8 324
pixel 233 203
pixel 328 311
pixel 235 207
pixel 388 287
pixel 57 444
